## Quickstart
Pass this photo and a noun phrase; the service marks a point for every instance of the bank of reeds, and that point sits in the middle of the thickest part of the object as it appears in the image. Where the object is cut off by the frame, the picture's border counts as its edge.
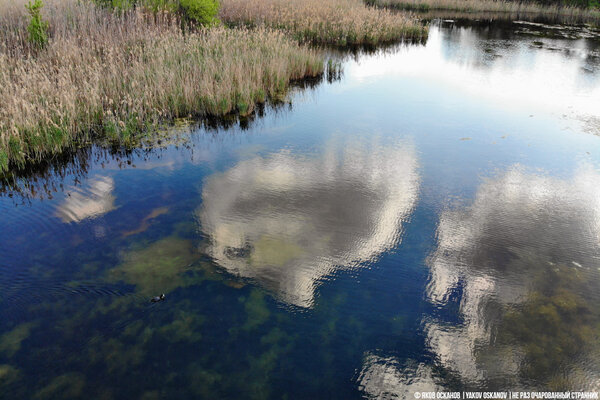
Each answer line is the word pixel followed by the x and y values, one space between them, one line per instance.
pixel 104 76
pixel 336 22
pixel 503 6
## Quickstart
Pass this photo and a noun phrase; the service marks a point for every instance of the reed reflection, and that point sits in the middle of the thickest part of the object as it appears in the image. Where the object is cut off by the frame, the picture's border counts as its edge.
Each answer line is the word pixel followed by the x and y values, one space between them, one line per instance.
pixel 290 221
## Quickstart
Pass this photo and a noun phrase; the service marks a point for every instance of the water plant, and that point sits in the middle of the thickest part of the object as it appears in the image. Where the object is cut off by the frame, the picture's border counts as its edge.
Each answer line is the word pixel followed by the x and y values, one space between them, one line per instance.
pixel 257 310
pixel 336 22
pixel 555 326
pixel 157 268
pixel 67 386
pixel 574 10
pixel 10 342
pixel 111 78
pixel 184 328
pixel 8 375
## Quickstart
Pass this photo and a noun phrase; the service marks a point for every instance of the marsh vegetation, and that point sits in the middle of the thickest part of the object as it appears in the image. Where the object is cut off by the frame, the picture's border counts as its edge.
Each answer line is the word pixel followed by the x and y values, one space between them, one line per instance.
pixel 74 73
pixel 580 12
pixel 110 77
pixel 337 22
pixel 428 222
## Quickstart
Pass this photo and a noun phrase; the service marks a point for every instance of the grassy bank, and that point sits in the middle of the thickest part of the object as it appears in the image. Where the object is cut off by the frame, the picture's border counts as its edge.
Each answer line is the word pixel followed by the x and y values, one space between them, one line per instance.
pixel 337 22
pixel 515 7
pixel 109 77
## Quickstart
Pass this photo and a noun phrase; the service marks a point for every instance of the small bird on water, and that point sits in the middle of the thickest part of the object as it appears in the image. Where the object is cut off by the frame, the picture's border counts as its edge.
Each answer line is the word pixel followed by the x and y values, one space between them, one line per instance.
pixel 156 299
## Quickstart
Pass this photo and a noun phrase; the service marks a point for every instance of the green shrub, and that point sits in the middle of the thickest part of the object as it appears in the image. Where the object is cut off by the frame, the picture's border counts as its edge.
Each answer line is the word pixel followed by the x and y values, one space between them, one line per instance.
pixel 195 12
pixel 38 28
pixel 199 12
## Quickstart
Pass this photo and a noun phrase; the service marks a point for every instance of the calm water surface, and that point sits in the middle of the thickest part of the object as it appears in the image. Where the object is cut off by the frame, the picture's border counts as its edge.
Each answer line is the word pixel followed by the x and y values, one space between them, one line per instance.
pixel 429 221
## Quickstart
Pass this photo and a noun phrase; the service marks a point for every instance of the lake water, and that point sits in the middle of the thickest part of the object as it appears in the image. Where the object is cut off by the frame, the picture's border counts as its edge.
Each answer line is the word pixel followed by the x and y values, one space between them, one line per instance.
pixel 430 221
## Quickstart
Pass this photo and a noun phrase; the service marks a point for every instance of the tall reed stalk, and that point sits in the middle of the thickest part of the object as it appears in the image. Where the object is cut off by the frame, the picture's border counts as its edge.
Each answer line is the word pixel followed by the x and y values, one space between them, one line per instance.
pixel 337 22
pixel 504 6
pixel 111 76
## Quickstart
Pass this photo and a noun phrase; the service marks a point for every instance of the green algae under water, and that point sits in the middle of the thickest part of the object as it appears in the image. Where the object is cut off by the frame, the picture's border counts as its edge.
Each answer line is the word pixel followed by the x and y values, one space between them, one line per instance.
pixel 354 246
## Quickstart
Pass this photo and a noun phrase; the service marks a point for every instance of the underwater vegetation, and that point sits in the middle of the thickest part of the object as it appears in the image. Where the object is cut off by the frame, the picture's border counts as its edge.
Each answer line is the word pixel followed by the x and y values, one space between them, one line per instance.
pixel 529 305
pixel 257 310
pixel 158 268
pixel 8 375
pixel 66 386
pixel 184 328
pixel 145 224
pixel 289 233
pixel 554 327
pixel 10 342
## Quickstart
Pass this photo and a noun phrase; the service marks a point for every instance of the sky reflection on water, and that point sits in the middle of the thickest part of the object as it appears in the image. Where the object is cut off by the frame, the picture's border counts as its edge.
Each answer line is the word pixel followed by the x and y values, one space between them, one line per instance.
pixel 499 252
pixel 431 221
pixel 290 221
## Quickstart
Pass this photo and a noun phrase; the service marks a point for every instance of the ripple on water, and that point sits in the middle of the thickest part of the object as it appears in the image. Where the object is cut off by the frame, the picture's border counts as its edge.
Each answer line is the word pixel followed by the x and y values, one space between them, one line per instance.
pixel 525 256
pixel 290 221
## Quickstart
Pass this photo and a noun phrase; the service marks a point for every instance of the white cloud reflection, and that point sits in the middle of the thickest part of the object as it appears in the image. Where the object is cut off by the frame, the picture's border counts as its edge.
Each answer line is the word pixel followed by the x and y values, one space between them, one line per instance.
pixel 90 201
pixel 289 221
pixel 387 378
pixel 519 226
pixel 504 72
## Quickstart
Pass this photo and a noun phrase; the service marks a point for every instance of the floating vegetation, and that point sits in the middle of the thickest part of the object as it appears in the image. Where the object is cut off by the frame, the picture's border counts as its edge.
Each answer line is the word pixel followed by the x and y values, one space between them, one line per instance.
pixel 158 268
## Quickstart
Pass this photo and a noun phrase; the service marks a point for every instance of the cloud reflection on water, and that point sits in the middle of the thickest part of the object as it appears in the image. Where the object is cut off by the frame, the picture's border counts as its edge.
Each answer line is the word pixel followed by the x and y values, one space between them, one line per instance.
pixel 91 201
pixel 500 253
pixel 533 73
pixel 289 221
pixel 387 378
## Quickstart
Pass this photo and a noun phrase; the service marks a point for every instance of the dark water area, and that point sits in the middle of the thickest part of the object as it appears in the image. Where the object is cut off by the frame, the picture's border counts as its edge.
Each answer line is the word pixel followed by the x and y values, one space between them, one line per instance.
pixel 430 221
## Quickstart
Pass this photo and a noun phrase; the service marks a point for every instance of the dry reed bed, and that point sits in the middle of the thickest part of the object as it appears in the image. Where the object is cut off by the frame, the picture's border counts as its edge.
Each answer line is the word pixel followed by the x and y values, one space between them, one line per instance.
pixel 337 22
pixel 516 7
pixel 111 77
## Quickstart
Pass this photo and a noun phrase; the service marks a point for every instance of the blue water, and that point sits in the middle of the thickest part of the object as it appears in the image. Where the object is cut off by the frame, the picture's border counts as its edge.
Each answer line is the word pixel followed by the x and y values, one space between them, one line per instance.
pixel 430 221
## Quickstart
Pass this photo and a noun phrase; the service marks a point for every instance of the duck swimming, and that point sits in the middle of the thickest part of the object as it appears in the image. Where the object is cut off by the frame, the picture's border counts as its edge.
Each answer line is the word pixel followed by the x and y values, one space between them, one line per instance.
pixel 156 299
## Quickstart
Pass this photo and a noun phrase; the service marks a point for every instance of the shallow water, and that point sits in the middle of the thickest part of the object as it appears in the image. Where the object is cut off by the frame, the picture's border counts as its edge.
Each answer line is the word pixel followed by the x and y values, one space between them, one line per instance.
pixel 429 221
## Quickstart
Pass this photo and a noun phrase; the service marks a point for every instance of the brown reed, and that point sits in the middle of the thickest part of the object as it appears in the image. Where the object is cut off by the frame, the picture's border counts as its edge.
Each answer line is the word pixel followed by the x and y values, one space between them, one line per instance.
pixel 109 77
pixel 337 22
pixel 500 6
